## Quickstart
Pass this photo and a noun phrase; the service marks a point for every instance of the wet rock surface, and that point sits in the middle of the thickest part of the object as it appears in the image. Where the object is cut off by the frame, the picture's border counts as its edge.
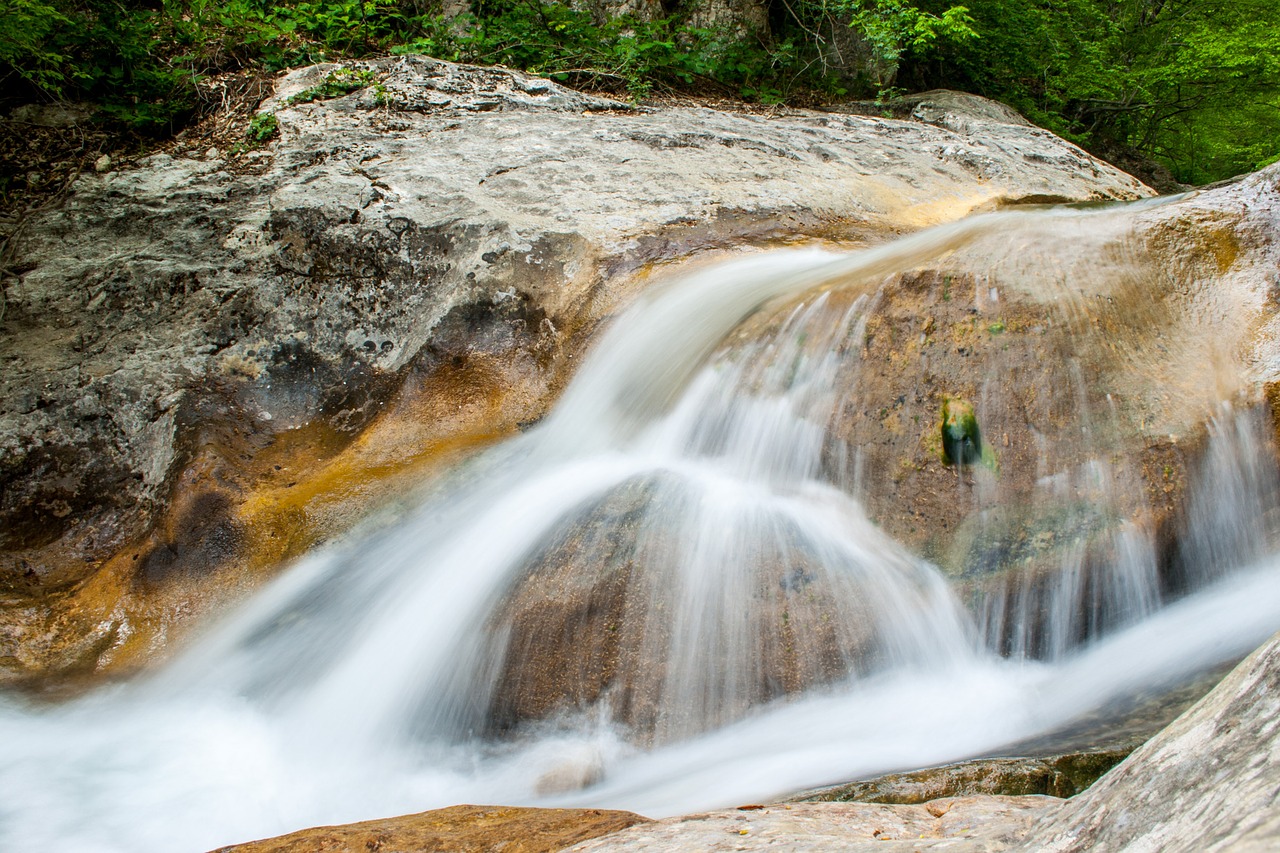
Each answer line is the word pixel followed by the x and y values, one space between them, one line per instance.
pixel 591 626
pixel 1078 346
pixel 459 829
pixel 1207 782
pixel 1093 364
pixel 404 274
pixel 1057 776
pixel 963 823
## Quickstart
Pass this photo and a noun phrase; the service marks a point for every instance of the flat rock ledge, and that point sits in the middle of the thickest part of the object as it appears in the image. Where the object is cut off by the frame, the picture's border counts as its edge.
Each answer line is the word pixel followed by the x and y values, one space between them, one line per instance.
pixel 958 823
pixel 1210 781
pixel 459 829
pixel 1054 776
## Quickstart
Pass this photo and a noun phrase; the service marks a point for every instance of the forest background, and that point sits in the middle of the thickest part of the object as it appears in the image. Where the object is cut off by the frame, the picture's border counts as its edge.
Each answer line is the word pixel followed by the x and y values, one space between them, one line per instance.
pixel 1183 91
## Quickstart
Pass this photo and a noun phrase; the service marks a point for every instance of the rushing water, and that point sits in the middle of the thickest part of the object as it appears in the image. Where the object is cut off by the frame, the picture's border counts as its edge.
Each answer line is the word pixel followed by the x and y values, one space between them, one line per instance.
pixel 681 554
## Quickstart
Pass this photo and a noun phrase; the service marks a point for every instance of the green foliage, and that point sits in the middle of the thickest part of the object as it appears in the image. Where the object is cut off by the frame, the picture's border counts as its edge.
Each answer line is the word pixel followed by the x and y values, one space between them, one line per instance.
pixel 96 49
pixel 895 27
pixel 25 43
pixel 1195 86
pixel 962 442
pixel 263 127
pixel 337 83
pixel 142 60
pixel 569 45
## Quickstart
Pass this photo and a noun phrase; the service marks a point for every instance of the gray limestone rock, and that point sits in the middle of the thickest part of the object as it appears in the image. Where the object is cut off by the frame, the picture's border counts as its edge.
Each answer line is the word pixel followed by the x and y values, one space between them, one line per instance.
pixel 1055 776
pixel 277 290
pixel 1208 782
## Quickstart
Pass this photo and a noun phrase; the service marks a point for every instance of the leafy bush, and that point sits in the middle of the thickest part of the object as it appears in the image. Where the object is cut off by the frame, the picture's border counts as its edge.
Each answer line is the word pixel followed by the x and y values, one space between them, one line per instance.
pixel 26 27
pixel 895 27
pixel 1194 85
pixel 263 127
pixel 624 54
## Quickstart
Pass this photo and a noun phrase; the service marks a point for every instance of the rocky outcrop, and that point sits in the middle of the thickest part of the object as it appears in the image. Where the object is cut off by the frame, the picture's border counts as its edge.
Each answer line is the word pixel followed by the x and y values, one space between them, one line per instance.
pixel 459 829
pixel 1091 350
pixel 739 17
pixel 1208 782
pixel 289 335
pixel 1092 355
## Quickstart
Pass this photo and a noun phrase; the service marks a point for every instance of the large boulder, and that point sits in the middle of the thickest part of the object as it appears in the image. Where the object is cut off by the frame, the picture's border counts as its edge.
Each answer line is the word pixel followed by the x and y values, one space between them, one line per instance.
pixel 214 360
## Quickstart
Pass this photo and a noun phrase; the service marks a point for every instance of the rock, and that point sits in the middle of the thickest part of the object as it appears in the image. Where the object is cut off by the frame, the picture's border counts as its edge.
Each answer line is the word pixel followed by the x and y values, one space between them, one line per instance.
pixel 1208 782
pixel 413 264
pixel 1058 776
pixel 958 111
pixel 964 824
pixel 459 829
pixel 60 115
pixel 852 59
pixel 1096 358
pixel 593 620
pixel 961 438
pixel 739 17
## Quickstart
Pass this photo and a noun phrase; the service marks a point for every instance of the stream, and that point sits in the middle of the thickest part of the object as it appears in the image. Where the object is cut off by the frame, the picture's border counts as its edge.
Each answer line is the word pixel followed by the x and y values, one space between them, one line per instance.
pixel 672 594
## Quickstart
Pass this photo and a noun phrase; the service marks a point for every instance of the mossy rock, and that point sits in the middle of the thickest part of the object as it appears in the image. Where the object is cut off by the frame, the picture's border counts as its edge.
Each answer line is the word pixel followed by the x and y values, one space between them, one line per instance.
pixel 1055 776
pixel 1027 537
pixel 336 84
pixel 962 442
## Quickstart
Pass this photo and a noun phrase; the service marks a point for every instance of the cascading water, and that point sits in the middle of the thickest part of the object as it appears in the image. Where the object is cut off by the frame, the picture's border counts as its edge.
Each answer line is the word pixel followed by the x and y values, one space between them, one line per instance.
pixel 670 595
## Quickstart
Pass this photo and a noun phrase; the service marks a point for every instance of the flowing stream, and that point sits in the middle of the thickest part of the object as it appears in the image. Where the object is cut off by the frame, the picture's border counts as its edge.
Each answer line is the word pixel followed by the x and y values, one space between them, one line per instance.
pixel 670 596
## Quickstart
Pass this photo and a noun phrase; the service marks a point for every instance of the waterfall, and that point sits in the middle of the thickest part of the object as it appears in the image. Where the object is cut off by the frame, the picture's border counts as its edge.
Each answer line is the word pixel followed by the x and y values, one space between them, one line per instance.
pixel 675 592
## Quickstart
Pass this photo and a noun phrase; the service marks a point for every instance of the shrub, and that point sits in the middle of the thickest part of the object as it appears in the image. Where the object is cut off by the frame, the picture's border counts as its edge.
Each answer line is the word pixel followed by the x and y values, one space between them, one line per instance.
pixel 263 127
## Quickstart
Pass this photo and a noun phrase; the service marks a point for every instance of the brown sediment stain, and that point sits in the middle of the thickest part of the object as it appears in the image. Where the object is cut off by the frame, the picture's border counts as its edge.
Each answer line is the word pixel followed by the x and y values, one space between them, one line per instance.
pixel 1210 239
pixel 945 209
pixel 248 501
pixel 303 500
pixel 249 495
pixel 457 829
pixel 1272 393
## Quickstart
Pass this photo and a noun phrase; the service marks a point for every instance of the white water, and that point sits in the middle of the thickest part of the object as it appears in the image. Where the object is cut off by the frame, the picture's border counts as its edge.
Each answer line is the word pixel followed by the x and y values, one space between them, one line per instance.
pixel 360 683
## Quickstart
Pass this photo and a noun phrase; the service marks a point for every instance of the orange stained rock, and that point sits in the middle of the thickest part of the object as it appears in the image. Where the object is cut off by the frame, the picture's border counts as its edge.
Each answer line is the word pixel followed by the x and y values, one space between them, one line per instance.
pixel 458 829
